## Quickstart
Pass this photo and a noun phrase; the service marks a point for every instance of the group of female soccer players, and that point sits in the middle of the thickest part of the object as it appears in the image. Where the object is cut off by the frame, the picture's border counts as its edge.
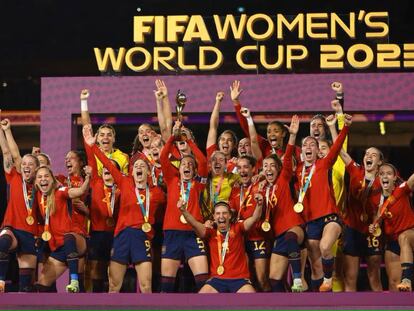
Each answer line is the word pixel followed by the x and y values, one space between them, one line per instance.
pixel 246 217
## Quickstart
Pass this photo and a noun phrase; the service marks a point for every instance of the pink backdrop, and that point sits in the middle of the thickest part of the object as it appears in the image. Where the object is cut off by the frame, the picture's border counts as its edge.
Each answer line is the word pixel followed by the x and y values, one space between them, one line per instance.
pixel 265 93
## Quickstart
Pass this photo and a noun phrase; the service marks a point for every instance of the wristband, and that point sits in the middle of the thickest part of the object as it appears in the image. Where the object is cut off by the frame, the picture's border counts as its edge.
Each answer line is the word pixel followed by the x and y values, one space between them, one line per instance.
pixel 84 105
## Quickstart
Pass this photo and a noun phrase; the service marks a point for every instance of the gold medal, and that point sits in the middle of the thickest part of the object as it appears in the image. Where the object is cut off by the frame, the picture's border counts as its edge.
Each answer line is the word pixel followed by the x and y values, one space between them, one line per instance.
pixel 220 270
pixel 377 232
pixel 298 207
pixel 30 220
pixel 363 217
pixel 146 227
pixel 182 219
pixel 266 226
pixel 110 221
pixel 46 236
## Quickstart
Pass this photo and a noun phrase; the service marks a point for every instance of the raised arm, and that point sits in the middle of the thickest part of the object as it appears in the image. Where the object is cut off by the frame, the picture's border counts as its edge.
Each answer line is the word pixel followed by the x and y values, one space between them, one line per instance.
pixel 90 141
pixel 410 182
pixel 338 88
pixel 14 149
pixel 249 222
pixel 254 143
pixel 235 92
pixel 74 193
pixel 198 227
pixel 167 169
pixel 287 168
pixel 85 118
pixel 331 122
pixel 163 109
pixel 345 157
pixel 214 120
pixel 91 160
pixel 7 157
pixel 202 169
pixel 336 147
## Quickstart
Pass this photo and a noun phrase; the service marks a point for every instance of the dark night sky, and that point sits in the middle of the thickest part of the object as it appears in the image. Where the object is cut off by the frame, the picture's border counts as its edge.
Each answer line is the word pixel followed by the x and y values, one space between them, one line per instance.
pixel 56 38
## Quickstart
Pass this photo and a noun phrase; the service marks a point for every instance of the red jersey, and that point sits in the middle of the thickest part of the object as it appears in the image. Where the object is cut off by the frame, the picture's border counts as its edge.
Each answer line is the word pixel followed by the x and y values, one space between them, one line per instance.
pixel 283 217
pixel 360 193
pixel 137 155
pixel 319 200
pixel 402 213
pixel 242 202
pixel 60 222
pixel 130 210
pixel 172 180
pixel 79 219
pixel 264 144
pixel 16 211
pixel 101 197
pixel 235 262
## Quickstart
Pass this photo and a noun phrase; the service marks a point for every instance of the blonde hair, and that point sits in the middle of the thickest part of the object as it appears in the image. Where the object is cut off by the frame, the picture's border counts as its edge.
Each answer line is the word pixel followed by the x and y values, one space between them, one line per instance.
pixel 50 201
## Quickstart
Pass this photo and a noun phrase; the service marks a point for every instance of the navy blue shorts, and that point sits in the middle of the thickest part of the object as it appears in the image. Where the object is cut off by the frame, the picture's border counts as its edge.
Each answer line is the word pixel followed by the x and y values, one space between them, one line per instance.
pixel 393 246
pixel 179 243
pixel 227 285
pixel 25 241
pixel 359 244
pixel 257 249
pixel 280 246
pixel 314 228
pixel 131 246
pixel 100 245
pixel 59 254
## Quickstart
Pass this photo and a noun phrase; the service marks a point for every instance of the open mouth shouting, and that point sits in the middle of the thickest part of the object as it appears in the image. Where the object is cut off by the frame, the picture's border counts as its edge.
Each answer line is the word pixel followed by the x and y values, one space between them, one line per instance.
pixel 187 173
pixel 146 140
pixel 225 148
pixel 27 172
pixel 69 167
pixel 44 185
pixel 273 142
pixel 385 182
pixel 270 176
pixel 368 163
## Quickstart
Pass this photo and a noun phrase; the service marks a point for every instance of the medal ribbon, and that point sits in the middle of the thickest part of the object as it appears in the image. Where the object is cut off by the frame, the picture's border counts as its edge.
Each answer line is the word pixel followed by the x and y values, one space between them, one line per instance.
pixel 268 201
pixel 185 194
pixel 304 188
pixel 214 197
pixel 110 203
pixel 153 177
pixel 222 247
pixel 242 198
pixel 46 212
pixel 28 203
pixel 366 193
pixel 145 211
pixel 383 207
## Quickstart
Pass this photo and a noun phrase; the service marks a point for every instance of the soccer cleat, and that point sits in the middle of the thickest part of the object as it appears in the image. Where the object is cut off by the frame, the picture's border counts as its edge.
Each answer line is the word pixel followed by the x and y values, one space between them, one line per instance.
pixel 2 286
pixel 297 286
pixel 405 285
pixel 326 285
pixel 73 287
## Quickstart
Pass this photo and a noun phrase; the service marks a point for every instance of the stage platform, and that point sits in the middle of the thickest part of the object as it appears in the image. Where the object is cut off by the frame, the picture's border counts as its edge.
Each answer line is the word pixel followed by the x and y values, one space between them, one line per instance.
pixel 258 301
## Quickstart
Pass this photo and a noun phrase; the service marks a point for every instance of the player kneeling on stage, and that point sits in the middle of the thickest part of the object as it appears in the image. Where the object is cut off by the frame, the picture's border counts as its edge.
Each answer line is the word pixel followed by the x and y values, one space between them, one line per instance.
pixel 229 270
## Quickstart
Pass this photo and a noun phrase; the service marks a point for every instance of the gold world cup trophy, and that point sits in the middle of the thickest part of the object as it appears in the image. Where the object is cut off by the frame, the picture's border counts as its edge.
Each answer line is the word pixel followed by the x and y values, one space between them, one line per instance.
pixel 180 100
